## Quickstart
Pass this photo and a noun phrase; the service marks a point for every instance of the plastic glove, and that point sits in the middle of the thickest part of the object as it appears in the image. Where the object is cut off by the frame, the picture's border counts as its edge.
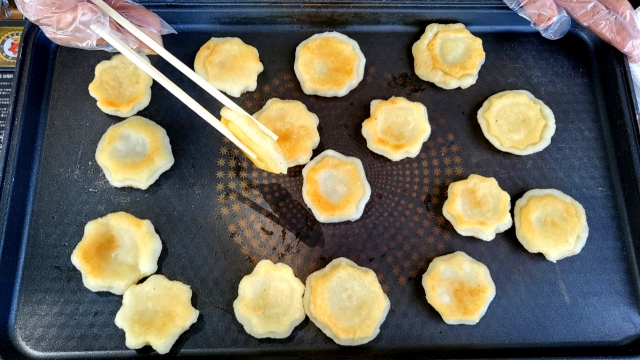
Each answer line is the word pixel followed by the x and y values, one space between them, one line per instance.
pixel 68 22
pixel 545 16
pixel 634 67
pixel 613 20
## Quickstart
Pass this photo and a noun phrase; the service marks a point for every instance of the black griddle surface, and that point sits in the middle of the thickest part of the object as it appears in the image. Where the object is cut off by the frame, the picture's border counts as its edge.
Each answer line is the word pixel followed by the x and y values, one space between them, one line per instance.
pixel 217 215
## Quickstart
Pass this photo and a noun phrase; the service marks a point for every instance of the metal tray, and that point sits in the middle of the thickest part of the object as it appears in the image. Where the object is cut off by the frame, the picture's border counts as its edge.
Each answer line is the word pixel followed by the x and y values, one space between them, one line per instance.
pixel 217 215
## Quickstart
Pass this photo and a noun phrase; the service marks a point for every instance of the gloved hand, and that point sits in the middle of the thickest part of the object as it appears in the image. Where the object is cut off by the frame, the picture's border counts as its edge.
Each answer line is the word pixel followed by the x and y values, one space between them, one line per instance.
pixel 545 16
pixel 68 22
pixel 613 20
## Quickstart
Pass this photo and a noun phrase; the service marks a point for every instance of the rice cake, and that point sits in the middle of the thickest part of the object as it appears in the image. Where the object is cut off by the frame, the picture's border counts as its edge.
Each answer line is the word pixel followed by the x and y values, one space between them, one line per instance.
pixel 156 313
pixel 120 87
pixel 134 153
pixel 478 207
pixel 116 251
pixel 397 128
pixel 269 155
pixel 329 64
pixel 550 222
pixel 448 55
pixel 269 302
pixel 514 121
pixel 459 287
pixel 346 302
pixel 295 126
pixel 335 187
pixel 229 65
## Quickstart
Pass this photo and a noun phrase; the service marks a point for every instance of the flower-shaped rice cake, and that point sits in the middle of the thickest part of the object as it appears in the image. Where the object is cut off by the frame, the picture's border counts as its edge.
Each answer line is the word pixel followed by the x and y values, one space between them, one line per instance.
pixel 269 303
pixel 269 155
pixel 478 207
pixel 459 287
pixel 329 64
pixel 134 153
pixel 156 313
pixel 116 251
pixel 516 122
pixel 550 222
pixel 229 65
pixel 295 126
pixel 448 55
pixel 397 128
pixel 335 187
pixel 346 302
pixel 120 87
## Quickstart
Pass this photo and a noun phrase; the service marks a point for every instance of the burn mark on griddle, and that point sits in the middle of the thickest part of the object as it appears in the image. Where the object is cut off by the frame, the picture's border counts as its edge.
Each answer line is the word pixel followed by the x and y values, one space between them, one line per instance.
pixel 287 212
pixel 265 231
pixel 65 270
pixel 289 249
pixel 409 81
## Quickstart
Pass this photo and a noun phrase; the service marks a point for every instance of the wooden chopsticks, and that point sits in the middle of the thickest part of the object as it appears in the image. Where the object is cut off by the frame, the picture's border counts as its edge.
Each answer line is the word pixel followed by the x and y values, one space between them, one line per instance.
pixel 168 84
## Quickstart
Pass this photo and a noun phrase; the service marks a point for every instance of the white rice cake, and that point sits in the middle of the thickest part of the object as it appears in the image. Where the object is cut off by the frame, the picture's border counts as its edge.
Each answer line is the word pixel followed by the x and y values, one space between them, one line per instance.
pixel 346 302
pixel 229 65
pixel 116 251
pixel 329 64
pixel 478 207
pixel 514 121
pixel 269 155
pixel 156 313
pixel 134 153
pixel 335 187
pixel 550 222
pixel 448 55
pixel 269 303
pixel 295 126
pixel 120 87
pixel 397 128
pixel 459 288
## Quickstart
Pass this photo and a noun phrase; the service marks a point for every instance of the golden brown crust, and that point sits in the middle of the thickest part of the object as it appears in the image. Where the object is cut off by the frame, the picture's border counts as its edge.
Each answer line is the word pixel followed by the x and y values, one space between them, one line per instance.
pixel 346 302
pixel 269 302
pixel 516 122
pixel 134 153
pixel 120 87
pixel 116 251
pixel 397 128
pixel 335 187
pixel 550 222
pixel 156 313
pixel 269 155
pixel 295 126
pixel 229 65
pixel 448 55
pixel 459 288
pixel 478 207
pixel 329 64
